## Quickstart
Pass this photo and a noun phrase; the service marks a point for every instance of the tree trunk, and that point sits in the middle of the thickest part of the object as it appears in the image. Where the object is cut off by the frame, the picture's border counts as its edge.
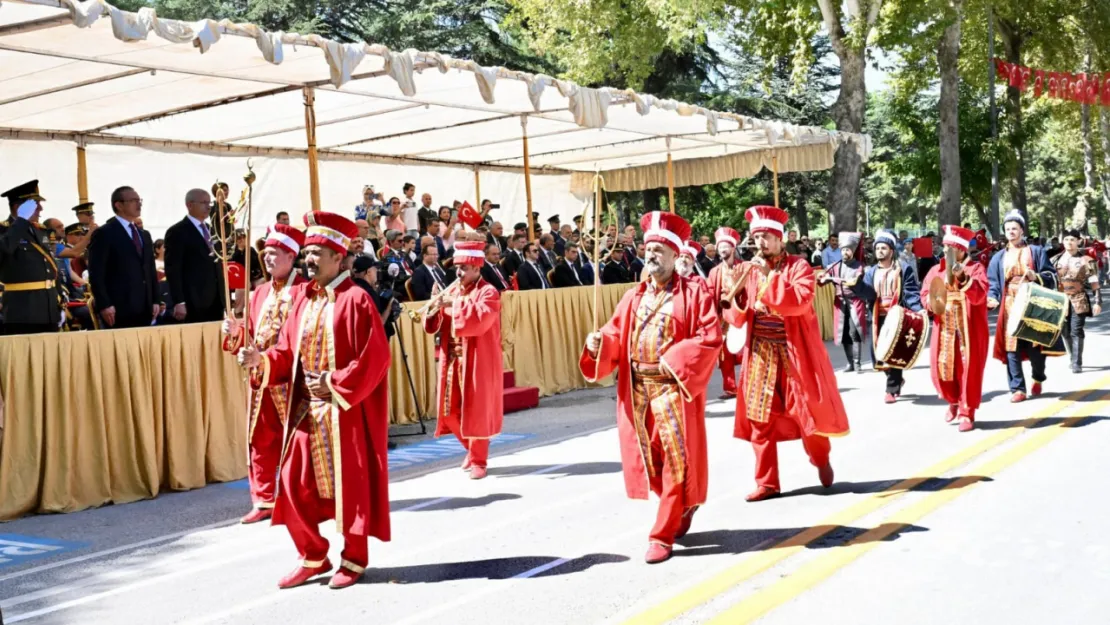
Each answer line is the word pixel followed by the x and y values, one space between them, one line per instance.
pixel 1104 119
pixel 848 114
pixel 652 200
pixel 801 213
pixel 1012 41
pixel 983 219
pixel 948 55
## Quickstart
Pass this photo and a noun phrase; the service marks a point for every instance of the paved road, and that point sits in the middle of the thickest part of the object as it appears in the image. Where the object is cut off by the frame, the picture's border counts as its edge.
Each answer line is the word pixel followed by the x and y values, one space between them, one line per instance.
pixel 925 525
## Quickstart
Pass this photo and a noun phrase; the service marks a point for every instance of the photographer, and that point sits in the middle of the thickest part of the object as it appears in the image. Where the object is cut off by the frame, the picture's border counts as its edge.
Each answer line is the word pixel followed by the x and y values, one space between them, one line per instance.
pixel 364 273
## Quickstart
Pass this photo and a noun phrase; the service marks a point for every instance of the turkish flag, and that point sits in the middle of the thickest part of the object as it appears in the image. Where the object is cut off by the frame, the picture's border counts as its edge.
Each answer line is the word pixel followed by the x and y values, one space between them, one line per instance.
pixel 923 247
pixel 236 276
pixel 469 216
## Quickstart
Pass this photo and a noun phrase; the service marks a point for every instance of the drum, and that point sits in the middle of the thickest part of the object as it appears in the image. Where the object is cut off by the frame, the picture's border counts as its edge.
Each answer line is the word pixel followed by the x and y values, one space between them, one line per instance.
pixel 1037 315
pixel 902 337
pixel 736 338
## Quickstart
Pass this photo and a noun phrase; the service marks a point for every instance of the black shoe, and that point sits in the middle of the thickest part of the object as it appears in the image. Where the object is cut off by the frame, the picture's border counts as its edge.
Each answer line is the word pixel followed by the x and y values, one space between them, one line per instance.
pixel 849 369
pixel 1076 369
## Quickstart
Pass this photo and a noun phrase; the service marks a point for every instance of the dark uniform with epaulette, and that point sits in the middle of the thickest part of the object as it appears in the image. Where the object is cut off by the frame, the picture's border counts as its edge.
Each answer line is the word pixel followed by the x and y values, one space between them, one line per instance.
pixel 32 300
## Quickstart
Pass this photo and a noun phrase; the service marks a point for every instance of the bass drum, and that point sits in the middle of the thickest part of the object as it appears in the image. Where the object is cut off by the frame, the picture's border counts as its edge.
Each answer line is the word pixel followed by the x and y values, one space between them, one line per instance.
pixel 736 339
pixel 902 337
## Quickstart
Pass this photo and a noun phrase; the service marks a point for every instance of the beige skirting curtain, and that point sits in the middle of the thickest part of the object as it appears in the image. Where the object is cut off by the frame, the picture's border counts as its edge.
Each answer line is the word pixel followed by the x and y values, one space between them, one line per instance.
pixel 89 418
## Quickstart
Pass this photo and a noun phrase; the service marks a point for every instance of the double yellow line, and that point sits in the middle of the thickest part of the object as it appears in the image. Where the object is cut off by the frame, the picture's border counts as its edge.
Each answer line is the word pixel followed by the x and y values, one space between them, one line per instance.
pixel 817 570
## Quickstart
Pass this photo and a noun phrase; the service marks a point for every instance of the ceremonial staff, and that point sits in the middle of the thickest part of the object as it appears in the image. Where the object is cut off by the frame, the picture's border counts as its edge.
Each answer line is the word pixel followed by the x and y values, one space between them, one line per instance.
pixel 249 179
pixel 599 184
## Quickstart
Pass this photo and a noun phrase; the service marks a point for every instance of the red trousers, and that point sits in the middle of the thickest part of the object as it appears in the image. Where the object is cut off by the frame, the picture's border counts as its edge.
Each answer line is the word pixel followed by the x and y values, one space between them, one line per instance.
pixel 672 495
pixel 265 453
pixel 302 510
pixel 477 449
pixel 779 426
pixel 728 363
pixel 952 391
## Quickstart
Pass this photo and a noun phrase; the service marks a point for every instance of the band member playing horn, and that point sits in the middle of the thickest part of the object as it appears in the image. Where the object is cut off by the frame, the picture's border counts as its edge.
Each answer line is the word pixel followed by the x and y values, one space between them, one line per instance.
pixel 852 296
pixel 788 388
pixel 1078 274
pixel 893 283
pixel 722 279
pixel 269 310
pixel 663 341
pixel 466 319
pixel 958 347
pixel 1019 263
pixel 687 264
pixel 333 354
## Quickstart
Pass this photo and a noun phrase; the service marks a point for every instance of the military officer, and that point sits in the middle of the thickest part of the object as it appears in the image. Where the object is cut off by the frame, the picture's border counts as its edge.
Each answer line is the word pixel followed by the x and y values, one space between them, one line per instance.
pixel 85 215
pixel 32 300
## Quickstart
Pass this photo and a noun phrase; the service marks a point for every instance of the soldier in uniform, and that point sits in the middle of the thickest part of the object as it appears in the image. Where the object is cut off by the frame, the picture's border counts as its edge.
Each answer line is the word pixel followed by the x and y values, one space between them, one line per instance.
pixel 1078 273
pixel 33 300
pixel 85 215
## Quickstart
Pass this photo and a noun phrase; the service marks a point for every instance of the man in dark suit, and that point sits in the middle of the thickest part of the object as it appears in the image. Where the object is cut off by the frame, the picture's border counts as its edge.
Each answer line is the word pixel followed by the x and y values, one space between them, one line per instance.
pixel 567 272
pixel 514 257
pixel 122 275
pixel 559 244
pixel 614 271
pixel 548 257
pixel 429 274
pixel 491 271
pixel 496 237
pixel 531 275
pixel 192 269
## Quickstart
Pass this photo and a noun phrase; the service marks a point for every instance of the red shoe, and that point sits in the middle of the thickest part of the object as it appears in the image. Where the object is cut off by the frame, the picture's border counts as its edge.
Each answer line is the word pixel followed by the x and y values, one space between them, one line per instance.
pixel 302 574
pixel 256 515
pixel 761 493
pixel 966 424
pixel 890 398
pixel 826 475
pixel 657 553
pixel 1036 389
pixel 466 463
pixel 950 416
pixel 346 576
pixel 1017 397
pixel 477 473
pixel 684 527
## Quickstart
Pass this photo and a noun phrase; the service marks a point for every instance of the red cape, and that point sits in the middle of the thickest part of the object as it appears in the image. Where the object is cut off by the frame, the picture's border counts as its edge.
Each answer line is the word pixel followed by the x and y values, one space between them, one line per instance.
pixel 691 359
pixel 476 319
pixel 978 331
pixel 812 398
pixel 261 301
pixel 360 402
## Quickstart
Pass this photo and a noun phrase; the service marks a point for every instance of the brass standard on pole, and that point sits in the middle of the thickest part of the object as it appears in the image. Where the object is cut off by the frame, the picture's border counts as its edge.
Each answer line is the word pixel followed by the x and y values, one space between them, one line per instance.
pixel 310 133
pixel 775 171
pixel 477 189
pixel 527 177
pixel 670 178
pixel 82 176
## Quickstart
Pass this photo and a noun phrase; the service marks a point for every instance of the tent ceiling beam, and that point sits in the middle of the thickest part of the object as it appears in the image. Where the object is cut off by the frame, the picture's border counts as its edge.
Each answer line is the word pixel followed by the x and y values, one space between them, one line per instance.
pixel 410 133
pixel 662 151
pixel 616 143
pixel 73 85
pixel 319 124
pixel 37 24
pixel 484 144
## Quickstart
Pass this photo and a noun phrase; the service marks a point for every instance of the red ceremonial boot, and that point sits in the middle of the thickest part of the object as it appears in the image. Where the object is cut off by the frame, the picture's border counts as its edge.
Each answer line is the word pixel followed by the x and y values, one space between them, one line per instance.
pixel 346 576
pixel 950 416
pixel 966 424
pixel 890 398
pixel 1036 389
pixel 1017 397
pixel 657 553
pixel 466 463
pixel 826 475
pixel 761 493
pixel 256 515
pixel 302 574
pixel 687 519
pixel 477 473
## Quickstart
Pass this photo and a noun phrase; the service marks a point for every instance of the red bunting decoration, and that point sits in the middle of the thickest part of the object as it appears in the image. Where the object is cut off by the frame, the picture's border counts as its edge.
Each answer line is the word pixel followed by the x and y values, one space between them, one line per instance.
pixel 1093 89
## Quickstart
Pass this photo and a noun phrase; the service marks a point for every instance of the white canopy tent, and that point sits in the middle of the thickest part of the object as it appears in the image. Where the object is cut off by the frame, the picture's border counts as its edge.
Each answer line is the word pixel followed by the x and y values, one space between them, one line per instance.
pixel 159 102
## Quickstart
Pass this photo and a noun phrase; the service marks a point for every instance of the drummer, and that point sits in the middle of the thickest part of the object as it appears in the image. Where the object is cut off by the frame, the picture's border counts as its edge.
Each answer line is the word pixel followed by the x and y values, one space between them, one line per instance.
pixel 894 284
pixel 1017 264
pixel 958 347
pixel 1078 273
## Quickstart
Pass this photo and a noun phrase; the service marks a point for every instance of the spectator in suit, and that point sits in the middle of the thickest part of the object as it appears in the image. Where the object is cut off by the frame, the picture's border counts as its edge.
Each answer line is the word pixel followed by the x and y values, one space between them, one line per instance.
pixel 435 233
pixel 558 243
pixel 429 274
pixel 121 266
pixel 195 277
pixel 567 272
pixel 614 271
pixel 710 259
pixel 283 218
pixel 491 271
pixel 531 275
pixel 548 257
pixel 584 265
pixel 497 237
pixel 515 256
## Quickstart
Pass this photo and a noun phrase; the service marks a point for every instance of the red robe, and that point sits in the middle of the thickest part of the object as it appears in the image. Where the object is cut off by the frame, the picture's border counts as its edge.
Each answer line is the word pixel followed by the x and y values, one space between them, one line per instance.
pixel 359 365
pixel 812 399
pixel 972 350
pixel 475 318
pixel 268 313
pixel 717 287
pixel 690 359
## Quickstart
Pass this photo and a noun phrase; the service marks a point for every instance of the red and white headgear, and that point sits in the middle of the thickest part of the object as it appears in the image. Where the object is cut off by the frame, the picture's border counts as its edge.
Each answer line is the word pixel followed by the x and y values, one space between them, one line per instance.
pixel 957 236
pixel 666 228
pixel 691 248
pixel 767 219
pixel 470 253
pixel 286 238
pixel 330 230
pixel 725 234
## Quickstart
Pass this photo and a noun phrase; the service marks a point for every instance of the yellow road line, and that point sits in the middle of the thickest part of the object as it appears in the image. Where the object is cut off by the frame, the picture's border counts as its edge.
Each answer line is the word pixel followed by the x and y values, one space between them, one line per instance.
pixel 763 560
pixel 820 569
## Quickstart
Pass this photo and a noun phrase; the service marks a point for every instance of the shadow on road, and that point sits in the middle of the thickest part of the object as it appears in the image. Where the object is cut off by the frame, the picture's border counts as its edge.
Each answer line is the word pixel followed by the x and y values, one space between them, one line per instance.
pixel 454 503
pixel 734 542
pixel 865 488
pixel 1043 423
pixel 581 468
pixel 493 568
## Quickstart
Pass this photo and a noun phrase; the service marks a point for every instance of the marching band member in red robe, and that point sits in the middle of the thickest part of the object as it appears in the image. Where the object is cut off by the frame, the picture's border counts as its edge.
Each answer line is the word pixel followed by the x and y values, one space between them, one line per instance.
pixel 333 354
pixel 721 280
pixel 958 347
pixel 663 341
pixel 687 264
pixel 468 349
pixel 269 309
pixel 788 388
